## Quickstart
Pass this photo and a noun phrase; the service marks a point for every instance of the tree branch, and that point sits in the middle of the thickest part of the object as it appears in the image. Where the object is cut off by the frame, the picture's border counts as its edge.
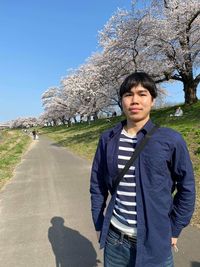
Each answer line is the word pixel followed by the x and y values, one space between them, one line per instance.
pixel 176 77
pixel 168 77
pixel 192 19
pixel 195 54
pixel 197 80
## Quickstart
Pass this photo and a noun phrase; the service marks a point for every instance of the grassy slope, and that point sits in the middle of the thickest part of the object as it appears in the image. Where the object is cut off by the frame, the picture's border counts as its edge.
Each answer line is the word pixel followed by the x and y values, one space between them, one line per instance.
pixel 83 138
pixel 13 143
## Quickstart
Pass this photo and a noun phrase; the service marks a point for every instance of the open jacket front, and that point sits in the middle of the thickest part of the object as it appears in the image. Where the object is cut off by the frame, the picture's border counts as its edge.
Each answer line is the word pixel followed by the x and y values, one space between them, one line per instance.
pixel 163 163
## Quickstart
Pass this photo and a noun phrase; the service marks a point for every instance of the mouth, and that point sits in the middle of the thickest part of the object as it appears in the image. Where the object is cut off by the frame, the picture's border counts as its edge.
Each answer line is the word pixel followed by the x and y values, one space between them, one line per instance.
pixel 134 110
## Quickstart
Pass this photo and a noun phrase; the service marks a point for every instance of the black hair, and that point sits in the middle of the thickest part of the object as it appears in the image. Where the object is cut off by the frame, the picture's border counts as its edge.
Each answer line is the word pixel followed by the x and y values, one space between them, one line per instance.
pixel 138 78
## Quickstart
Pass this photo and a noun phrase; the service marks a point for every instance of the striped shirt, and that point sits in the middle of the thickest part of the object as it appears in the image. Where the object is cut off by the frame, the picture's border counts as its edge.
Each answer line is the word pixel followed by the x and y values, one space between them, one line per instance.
pixel 125 211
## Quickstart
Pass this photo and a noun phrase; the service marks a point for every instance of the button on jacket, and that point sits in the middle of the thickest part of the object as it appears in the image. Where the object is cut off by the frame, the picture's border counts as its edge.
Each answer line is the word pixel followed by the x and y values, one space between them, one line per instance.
pixel 163 164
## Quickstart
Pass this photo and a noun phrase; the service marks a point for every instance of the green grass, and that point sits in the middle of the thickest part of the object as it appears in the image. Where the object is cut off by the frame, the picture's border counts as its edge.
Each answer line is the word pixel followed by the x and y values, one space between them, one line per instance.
pixel 83 138
pixel 80 138
pixel 13 143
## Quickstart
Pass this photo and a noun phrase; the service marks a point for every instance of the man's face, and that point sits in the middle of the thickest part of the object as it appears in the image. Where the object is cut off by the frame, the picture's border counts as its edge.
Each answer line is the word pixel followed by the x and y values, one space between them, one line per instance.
pixel 137 104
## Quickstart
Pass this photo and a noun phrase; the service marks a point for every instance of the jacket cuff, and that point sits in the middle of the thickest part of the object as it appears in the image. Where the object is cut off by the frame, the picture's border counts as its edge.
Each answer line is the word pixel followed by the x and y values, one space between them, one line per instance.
pixel 175 230
pixel 99 223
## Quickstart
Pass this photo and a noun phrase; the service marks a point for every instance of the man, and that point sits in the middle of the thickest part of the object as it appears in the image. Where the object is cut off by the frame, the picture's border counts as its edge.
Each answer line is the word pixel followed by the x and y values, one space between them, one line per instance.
pixel 143 220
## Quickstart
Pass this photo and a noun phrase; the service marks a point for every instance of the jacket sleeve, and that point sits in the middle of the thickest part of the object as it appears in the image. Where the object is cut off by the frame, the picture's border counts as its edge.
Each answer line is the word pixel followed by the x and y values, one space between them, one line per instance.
pixel 184 198
pixel 98 188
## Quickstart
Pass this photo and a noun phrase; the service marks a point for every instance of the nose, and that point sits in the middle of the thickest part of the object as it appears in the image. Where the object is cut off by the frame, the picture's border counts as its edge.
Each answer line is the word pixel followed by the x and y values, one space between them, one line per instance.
pixel 134 99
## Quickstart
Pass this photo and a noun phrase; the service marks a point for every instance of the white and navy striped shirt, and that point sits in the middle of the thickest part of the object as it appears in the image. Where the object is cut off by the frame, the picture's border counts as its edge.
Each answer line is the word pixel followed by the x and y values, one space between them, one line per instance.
pixel 125 204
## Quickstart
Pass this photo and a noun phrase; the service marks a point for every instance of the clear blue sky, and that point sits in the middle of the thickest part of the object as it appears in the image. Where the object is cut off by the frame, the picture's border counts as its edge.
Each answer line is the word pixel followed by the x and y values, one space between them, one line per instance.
pixel 39 41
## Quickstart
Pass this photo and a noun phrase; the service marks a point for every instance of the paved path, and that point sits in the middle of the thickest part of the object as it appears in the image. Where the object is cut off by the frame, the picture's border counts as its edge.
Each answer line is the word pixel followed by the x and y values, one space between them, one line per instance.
pixel 45 214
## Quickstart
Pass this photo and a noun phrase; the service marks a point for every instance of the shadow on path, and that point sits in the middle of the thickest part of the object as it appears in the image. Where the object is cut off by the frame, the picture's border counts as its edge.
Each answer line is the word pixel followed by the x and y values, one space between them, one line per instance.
pixel 195 264
pixel 70 248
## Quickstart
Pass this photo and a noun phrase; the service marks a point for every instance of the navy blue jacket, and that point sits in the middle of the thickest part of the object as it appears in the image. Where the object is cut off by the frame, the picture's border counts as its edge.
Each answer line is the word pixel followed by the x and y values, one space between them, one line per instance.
pixel 164 162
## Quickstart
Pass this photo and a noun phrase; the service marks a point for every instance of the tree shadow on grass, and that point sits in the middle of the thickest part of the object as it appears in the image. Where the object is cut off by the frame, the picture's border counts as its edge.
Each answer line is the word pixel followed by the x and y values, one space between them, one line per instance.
pixel 70 248
pixel 87 138
pixel 100 124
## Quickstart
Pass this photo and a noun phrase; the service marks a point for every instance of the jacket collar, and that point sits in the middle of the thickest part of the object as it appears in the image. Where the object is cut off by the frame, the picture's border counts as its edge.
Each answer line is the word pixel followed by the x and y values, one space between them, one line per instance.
pixel 145 129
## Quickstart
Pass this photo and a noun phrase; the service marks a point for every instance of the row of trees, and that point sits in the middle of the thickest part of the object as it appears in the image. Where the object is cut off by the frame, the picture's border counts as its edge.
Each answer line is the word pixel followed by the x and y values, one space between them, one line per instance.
pixel 162 40
pixel 27 122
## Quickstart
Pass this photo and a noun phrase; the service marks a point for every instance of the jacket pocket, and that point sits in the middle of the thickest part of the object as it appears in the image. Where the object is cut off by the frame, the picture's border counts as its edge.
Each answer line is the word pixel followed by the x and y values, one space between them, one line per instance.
pixel 154 171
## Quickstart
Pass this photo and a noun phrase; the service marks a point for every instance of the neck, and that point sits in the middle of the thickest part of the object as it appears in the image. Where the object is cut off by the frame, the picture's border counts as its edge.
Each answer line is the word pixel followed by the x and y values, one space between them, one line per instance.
pixel 132 127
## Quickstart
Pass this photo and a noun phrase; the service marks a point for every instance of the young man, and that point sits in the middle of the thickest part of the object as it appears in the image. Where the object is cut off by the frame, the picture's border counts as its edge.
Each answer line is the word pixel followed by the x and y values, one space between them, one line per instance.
pixel 143 220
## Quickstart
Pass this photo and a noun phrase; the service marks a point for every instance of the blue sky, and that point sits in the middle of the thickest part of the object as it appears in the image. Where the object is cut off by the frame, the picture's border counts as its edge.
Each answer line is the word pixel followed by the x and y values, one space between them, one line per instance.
pixel 39 41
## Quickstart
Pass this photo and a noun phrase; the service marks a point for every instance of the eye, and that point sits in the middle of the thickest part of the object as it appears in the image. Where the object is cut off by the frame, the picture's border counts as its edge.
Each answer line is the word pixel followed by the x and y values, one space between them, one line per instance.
pixel 127 94
pixel 143 93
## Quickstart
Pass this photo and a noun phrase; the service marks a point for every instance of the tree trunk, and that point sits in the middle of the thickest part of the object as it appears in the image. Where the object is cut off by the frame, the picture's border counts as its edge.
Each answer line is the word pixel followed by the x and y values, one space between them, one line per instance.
pixel 95 116
pixel 89 119
pixel 69 122
pixel 54 122
pixel 63 120
pixel 75 120
pixel 120 105
pixel 190 90
pixel 81 118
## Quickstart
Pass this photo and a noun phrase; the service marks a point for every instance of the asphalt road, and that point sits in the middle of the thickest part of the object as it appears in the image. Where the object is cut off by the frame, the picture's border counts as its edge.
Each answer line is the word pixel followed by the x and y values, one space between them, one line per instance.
pixel 45 216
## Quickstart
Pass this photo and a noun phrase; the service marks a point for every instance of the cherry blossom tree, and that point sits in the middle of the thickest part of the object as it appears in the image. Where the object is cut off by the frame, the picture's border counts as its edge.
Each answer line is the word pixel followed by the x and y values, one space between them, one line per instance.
pixel 162 40
pixel 175 38
pixel 71 93
pixel 107 80
pixel 84 89
pixel 124 49
pixel 56 107
pixel 25 122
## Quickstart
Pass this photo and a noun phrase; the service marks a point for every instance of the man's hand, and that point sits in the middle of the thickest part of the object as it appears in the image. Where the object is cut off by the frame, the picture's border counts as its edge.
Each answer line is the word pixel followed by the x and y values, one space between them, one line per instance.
pixel 174 243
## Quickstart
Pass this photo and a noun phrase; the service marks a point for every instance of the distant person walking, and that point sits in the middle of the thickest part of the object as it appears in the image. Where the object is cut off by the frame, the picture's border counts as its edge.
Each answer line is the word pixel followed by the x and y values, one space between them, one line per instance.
pixel 34 134
pixel 37 135
pixel 143 219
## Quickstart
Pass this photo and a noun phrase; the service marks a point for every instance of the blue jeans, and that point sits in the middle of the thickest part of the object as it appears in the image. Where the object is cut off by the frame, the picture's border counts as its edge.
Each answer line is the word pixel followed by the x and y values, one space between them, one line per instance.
pixel 119 252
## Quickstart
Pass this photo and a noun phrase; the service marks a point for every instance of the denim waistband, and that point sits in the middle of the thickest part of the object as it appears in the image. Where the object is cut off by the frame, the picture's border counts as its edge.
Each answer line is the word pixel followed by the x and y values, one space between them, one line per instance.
pixel 132 239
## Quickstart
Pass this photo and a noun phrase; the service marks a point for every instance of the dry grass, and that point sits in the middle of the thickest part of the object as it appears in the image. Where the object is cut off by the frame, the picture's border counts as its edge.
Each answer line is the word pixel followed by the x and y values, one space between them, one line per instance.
pixel 13 144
